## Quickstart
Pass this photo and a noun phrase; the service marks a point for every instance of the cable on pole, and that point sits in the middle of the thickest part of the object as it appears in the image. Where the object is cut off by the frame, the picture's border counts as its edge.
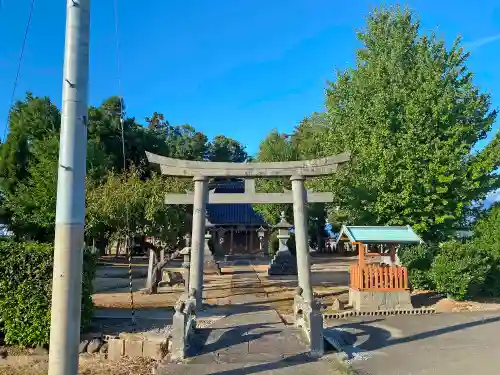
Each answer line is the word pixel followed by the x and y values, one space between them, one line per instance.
pixel 19 64
pixel 122 128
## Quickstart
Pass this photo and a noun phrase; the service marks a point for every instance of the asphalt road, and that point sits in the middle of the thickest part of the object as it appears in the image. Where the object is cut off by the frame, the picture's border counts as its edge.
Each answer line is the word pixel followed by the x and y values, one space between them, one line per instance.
pixel 453 343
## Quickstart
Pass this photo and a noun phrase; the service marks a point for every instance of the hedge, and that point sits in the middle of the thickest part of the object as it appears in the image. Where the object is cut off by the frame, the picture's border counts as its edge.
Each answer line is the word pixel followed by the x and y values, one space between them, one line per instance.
pixel 26 291
pixel 461 270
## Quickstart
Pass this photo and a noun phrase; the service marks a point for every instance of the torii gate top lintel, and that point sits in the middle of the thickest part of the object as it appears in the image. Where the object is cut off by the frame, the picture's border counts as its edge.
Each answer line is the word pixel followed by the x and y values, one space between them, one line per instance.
pixel 305 168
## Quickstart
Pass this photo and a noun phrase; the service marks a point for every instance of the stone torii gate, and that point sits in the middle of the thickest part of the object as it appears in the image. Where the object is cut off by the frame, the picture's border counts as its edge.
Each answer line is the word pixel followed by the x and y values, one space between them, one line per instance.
pixel 202 171
pixel 306 310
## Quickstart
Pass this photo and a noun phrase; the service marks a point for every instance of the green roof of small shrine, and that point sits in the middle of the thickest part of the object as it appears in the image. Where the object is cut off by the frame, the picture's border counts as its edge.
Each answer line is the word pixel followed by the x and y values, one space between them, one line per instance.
pixel 379 234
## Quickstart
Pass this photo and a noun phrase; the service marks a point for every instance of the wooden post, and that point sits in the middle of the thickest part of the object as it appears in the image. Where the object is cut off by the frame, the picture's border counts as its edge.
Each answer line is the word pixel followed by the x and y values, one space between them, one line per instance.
pixel 361 253
pixel 392 253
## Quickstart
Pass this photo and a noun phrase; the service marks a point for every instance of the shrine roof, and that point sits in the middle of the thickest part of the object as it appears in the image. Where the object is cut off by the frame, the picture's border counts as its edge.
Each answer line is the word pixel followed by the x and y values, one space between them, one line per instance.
pixel 379 234
pixel 232 214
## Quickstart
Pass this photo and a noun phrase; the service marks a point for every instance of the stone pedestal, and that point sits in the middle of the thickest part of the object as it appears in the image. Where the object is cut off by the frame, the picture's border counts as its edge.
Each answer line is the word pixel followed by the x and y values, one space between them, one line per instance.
pixel 210 265
pixel 183 325
pixel 379 300
pixel 283 263
pixel 309 318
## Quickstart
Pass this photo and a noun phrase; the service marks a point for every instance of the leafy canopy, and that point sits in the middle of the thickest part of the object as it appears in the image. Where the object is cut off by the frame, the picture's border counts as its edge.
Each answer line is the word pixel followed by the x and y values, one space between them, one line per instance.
pixel 411 116
pixel 28 170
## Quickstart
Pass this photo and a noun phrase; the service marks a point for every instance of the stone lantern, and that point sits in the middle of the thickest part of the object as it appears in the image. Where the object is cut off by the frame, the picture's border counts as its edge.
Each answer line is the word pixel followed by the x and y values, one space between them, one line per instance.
pixel 283 228
pixel 261 232
pixel 210 263
pixel 187 239
pixel 283 262
pixel 186 264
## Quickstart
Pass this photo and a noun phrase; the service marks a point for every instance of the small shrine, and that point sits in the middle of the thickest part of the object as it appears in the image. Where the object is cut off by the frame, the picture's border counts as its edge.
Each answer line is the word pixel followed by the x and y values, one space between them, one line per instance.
pixel 378 281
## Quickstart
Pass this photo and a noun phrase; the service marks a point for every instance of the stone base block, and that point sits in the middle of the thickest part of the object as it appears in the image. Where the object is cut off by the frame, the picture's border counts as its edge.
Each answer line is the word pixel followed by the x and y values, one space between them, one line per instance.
pixel 116 349
pixel 155 350
pixel 283 263
pixel 379 300
pixel 134 346
pixel 211 267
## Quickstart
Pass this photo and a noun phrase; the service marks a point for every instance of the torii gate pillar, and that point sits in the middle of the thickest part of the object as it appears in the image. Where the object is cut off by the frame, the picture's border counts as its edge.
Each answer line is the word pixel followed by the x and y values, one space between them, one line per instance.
pixel 198 237
pixel 301 236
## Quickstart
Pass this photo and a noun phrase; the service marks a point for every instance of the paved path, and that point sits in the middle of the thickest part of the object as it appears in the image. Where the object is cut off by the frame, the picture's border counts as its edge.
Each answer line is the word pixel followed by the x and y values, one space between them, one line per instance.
pixel 252 339
pixel 458 344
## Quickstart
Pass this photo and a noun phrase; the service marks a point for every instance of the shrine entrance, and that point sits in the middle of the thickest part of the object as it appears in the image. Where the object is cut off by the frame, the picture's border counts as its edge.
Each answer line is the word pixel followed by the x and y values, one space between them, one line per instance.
pixel 307 313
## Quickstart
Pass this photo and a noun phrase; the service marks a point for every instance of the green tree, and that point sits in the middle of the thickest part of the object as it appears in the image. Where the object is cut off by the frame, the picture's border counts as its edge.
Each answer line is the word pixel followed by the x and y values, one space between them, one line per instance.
pixel 225 149
pixel 486 231
pixel 275 148
pixel 32 202
pixel 279 148
pixel 105 131
pixel 30 119
pixel 127 205
pixel 411 116
pixel 306 133
pixel 28 169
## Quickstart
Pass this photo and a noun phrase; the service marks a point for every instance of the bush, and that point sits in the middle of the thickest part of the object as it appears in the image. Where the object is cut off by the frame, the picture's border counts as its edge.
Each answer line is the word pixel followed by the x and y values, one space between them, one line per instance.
pixel 460 270
pixel 418 261
pixel 491 285
pixel 26 291
pixel 487 238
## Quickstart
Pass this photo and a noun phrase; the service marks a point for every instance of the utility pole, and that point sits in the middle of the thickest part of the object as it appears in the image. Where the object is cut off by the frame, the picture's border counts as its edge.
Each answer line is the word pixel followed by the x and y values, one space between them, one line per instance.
pixel 70 211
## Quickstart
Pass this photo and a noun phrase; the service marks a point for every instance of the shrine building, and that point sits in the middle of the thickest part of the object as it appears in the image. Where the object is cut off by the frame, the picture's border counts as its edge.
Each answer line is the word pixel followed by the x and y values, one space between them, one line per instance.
pixel 237 228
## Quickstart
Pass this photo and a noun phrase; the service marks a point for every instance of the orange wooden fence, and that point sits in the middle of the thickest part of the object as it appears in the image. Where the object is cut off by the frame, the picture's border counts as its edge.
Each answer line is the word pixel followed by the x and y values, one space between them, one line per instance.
pixel 375 277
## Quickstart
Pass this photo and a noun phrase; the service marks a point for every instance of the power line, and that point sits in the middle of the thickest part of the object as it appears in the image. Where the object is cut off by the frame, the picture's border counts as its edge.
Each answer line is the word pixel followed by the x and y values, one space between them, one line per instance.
pixel 122 124
pixel 19 63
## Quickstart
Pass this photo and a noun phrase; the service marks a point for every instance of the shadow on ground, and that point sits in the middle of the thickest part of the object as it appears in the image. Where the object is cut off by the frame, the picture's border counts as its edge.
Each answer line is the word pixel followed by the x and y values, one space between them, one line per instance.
pixel 379 338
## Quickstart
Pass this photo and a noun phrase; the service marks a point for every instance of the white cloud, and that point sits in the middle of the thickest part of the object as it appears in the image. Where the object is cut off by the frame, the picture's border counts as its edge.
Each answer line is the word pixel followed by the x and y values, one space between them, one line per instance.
pixel 482 42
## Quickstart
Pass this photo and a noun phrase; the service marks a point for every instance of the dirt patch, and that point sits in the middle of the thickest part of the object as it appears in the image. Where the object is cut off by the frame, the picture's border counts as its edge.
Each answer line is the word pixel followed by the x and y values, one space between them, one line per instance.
pixel 448 305
pixel 425 298
pixel 89 365
pixel 121 300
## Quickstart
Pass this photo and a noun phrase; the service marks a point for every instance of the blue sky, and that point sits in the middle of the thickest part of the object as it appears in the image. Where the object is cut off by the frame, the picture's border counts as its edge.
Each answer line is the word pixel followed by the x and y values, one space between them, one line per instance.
pixel 233 67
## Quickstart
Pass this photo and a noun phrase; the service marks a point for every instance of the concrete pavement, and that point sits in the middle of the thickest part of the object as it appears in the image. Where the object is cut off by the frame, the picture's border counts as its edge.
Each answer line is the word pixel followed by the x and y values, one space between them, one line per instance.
pixel 252 339
pixel 453 343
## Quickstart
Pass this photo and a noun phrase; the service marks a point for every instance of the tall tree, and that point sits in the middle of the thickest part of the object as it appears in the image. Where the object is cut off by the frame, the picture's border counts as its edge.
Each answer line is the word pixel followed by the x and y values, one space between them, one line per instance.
pixel 32 202
pixel 31 119
pixel 411 116
pixel 275 148
pixel 226 149
pixel 305 134
pixel 105 130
